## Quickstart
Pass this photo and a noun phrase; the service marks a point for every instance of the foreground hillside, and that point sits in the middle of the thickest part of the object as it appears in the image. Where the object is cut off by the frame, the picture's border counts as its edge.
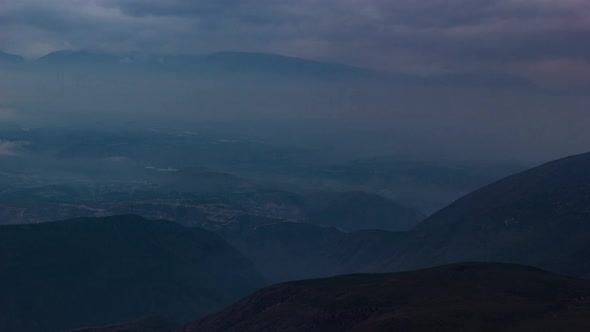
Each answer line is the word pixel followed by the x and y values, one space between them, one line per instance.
pixel 540 217
pixel 461 297
pixel 152 324
pixel 95 271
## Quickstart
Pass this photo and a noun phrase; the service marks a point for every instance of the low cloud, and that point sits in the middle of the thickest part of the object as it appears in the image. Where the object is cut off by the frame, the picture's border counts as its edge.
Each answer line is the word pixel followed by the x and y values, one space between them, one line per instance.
pixel 11 148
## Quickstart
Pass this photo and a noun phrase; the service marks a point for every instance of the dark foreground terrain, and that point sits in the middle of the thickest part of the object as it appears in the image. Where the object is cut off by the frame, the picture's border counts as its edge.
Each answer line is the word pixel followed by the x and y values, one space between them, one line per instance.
pixel 152 324
pixel 92 272
pixel 539 217
pixel 459 297
pixel 97 271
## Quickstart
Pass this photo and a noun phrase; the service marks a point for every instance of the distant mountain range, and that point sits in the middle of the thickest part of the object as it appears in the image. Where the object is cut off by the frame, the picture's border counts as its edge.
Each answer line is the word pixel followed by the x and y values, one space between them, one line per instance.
pixel 84 272
pixel 426 185
pixel 206 198
pixel 6 58
pixel 539 217
pixel 347 211
pixel 215 63
pixel 238 63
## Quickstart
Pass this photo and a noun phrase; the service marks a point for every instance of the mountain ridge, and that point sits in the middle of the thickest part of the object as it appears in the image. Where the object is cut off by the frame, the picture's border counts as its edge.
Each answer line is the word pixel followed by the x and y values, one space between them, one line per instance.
pixel 95 271
pixel 538 217
pixel 466 296
pixel 234 63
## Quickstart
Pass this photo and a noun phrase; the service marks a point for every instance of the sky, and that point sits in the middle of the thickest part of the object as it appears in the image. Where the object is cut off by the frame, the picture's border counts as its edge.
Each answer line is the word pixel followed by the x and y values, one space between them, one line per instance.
pixel 544 41
pixel 541 43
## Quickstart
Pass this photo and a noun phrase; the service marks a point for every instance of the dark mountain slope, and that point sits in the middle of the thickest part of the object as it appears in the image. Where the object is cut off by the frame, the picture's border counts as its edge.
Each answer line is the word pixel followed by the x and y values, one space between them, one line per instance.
pixel 284 251
pixel 540 217
pixel 287 250
pixel 7 58
pixel 77 57
pixel 224 63
pixel 462 297
pixel 155 324
pixel 357 210
pixel 428 186
pixel 85 272
pixel 278 64
pixel 349 211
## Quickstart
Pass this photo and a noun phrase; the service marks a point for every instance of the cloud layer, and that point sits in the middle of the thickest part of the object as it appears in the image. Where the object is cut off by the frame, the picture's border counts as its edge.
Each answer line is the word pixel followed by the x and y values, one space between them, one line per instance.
pixel 544 40
pixel 10 148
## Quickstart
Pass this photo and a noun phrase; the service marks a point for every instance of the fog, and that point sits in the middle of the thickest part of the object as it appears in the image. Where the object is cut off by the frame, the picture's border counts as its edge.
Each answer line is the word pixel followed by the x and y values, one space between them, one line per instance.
pixel 435 117
pixel 164 158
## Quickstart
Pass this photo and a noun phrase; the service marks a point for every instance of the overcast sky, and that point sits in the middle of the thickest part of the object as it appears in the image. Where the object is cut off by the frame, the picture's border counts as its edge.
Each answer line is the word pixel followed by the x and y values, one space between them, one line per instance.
pixel 543 40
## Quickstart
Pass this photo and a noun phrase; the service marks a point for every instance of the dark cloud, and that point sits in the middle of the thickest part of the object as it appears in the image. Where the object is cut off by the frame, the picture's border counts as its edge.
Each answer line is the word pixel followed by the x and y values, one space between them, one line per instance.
pixel 424 37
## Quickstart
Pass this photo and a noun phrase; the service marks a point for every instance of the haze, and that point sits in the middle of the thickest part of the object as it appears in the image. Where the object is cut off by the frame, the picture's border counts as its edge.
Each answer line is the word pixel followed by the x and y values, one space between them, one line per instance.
pixel 501 80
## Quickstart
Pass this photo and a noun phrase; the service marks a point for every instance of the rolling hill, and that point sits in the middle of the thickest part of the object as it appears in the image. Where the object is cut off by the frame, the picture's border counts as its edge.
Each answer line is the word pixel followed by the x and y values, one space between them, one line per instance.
pixel 461 297
pixel 95 271
pixel 539 217
pixel 458 297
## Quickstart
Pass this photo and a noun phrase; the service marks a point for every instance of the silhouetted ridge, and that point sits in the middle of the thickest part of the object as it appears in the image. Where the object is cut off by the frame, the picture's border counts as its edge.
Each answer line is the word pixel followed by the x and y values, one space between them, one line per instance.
pixel 156 324
pixel 8 58
pixel 77 57
pixel 279 64
pixel 215 63
pixel 538 217
pixel 461 297
pixel 96 271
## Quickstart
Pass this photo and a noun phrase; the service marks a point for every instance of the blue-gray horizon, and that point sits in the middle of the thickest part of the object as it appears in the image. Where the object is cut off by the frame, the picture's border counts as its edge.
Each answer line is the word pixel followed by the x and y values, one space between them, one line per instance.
pixel 541 41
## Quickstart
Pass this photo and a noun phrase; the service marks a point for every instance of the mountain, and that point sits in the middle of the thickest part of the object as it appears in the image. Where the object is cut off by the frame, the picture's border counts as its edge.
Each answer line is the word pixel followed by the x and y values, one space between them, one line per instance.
pixel 215 63
pixel 461 297
pixel 205 199
pixel 540 217
pixel 191 196
pixel 238 62
pixel 96 271
pixel 428 186
pixel 155 324
pixel 284 251
pixel 348 210
pixel 204 181
pixel 7 58
pixel 279 64
pixel 357 210
pixel 67 57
